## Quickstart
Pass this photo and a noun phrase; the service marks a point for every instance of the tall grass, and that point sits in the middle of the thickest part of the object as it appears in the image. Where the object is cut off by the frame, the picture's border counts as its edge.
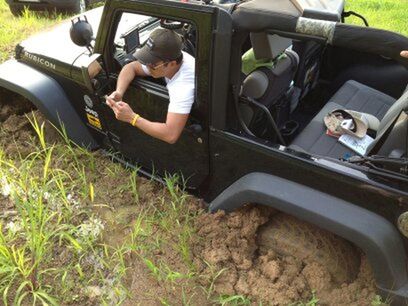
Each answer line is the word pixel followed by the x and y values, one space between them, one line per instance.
pixel 50 250
pixel 14 29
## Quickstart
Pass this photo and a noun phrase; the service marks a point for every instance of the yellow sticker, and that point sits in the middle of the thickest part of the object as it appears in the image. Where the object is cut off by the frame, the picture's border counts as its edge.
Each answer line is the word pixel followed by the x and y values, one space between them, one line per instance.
pixel 94 121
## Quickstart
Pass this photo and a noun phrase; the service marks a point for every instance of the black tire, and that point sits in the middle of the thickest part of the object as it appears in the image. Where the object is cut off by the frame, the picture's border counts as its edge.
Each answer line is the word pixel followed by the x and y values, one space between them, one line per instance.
pixel 289 236
pixel 16 10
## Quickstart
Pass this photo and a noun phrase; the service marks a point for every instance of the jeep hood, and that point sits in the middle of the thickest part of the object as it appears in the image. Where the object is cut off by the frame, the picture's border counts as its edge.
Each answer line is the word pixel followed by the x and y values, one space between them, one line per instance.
pixel 54 47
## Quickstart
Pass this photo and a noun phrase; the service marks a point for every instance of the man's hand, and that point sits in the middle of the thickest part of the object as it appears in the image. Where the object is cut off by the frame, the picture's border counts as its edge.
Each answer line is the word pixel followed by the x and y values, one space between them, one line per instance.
pixel 169 131
pixel 116 96
pixel 122 110
pixel 404 53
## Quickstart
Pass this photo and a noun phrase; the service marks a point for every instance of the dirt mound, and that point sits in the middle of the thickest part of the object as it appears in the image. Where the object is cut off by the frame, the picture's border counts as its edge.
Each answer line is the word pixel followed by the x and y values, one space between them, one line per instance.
pixel 227 242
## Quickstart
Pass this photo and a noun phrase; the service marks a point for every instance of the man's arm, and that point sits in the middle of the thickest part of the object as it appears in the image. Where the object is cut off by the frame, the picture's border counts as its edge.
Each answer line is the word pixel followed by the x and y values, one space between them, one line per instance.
pixel 127 74
pixel 169 131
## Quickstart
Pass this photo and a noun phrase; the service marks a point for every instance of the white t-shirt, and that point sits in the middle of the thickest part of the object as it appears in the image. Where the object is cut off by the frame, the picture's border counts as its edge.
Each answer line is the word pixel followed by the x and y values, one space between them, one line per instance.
pixel 181 86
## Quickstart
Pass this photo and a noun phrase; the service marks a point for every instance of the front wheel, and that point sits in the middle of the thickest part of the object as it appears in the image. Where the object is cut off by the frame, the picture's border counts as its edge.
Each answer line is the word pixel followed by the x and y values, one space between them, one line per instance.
pixel 288 236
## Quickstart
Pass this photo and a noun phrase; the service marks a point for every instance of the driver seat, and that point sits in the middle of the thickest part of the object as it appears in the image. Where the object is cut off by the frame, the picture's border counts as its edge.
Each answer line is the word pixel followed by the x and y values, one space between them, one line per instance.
pixel 270 86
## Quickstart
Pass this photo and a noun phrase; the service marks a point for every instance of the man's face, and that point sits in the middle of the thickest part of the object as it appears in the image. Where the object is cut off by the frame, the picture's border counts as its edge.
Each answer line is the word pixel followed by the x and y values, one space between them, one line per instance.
pixel 158 70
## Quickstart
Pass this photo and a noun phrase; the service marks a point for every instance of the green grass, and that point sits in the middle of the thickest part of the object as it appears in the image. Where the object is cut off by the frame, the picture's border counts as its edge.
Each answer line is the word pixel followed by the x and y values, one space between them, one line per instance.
pixel 55 236
pixel 232 300
pixel 14 29
pixel 50 247
pixel 384 14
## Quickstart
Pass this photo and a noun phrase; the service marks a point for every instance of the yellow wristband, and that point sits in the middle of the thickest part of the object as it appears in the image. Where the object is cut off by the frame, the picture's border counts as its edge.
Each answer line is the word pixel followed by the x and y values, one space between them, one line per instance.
pixel 135 119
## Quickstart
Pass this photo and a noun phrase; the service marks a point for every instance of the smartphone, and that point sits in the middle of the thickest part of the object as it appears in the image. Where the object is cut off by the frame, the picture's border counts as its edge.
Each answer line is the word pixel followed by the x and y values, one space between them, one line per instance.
pixel 106 97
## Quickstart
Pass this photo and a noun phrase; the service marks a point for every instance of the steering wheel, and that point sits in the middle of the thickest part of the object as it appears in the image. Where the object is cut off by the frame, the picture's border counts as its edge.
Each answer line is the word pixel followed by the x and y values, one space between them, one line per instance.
pixel 170 24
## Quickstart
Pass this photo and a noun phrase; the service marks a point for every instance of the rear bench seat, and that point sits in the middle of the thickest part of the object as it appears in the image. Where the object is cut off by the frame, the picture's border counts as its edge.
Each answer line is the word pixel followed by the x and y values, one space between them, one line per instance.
pixel 354 96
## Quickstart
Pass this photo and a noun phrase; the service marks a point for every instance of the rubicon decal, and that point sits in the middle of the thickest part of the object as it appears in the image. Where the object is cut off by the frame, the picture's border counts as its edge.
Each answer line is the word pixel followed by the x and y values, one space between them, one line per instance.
pixel 39 60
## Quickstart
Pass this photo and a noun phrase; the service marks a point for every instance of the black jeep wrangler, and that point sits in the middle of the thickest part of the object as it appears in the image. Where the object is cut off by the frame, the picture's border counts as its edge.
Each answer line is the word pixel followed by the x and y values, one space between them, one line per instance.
pixel 254 135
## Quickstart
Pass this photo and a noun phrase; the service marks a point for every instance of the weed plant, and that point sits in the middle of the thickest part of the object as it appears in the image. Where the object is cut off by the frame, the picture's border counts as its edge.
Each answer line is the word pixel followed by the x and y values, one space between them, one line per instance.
pixel 312 302
pixel 50 250
pixel 233 300
pixel 56 237
pixel 172 221
pixel 13 29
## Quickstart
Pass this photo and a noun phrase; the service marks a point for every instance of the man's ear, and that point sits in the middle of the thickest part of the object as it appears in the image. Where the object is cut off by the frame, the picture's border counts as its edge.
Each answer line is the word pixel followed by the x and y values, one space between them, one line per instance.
pixel 173 63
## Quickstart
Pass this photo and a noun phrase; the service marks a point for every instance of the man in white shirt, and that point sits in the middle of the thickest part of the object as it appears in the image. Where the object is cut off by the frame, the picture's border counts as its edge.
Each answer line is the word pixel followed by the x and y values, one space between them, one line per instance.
pixel 160 57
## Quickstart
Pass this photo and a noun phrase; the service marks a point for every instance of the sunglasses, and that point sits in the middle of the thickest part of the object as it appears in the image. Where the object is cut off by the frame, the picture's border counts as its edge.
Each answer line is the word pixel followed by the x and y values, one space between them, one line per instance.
pixel 155 67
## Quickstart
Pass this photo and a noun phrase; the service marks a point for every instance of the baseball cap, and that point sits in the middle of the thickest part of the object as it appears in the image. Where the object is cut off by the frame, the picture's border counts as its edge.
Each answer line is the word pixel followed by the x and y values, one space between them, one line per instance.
pixel 162 45
pixel 341 121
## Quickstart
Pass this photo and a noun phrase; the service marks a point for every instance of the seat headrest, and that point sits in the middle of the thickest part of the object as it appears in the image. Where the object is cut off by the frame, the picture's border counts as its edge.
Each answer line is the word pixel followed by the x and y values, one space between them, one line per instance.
pixel 268 46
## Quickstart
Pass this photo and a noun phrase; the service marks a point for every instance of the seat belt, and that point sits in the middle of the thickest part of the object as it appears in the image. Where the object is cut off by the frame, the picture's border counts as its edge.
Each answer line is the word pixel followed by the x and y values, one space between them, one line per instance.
pixel 380 138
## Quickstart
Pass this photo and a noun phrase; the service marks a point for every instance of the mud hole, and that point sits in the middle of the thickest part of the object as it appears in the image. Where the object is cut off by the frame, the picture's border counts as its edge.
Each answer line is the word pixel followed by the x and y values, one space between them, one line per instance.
pixel 224 248
pixel 229 241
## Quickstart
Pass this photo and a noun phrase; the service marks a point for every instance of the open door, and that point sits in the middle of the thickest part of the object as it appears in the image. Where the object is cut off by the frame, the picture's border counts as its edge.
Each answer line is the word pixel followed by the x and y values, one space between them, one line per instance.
pixel 149 97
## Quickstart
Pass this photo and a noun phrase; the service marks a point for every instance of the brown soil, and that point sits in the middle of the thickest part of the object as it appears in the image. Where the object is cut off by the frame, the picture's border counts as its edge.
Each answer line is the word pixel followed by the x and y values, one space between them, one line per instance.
pixel 225 252
pixel 228 241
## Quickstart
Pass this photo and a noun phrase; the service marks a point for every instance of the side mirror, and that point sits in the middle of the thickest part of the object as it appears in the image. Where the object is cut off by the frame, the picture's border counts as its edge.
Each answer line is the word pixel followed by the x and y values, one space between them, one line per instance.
pixel 81 32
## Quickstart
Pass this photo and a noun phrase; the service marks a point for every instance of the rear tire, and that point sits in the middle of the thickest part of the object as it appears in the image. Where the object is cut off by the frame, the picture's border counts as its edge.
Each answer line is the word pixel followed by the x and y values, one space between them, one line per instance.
pixel 288 236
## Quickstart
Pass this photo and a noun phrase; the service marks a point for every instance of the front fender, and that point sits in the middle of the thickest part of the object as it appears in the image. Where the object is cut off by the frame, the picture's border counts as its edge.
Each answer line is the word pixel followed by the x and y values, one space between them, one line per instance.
pixel 375 235
pixel 48 96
